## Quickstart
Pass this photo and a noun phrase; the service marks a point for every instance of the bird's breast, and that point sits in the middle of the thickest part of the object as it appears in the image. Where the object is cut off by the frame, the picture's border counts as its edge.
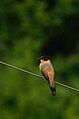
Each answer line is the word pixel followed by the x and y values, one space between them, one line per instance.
pixel 46 68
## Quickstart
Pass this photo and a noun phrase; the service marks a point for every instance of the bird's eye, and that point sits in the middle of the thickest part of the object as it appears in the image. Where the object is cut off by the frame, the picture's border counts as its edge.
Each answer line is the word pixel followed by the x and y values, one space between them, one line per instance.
pixel 45 59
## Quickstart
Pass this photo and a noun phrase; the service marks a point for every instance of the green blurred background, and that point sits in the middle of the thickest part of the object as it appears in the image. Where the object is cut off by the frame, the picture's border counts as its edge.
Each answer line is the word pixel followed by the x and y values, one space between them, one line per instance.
pixel 29 29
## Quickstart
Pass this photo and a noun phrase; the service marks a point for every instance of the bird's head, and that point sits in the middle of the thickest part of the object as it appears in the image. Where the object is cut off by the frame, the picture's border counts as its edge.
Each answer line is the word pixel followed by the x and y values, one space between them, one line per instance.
pixel 44 58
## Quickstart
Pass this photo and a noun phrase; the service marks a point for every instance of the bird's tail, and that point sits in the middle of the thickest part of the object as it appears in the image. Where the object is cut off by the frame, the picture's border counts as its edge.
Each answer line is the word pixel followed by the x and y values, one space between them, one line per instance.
pixel 53 90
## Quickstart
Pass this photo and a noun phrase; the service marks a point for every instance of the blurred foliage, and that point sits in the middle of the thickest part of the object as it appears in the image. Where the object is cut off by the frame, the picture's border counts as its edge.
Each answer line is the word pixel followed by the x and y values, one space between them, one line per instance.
pixel 29 29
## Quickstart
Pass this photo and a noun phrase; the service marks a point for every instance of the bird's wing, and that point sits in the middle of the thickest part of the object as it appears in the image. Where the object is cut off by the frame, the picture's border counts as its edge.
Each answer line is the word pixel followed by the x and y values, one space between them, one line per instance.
pixel 44 73
pixel 51 78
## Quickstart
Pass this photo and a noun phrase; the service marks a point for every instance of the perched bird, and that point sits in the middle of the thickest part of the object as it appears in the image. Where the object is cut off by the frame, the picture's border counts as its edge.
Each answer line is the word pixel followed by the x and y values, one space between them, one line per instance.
pixel 47 70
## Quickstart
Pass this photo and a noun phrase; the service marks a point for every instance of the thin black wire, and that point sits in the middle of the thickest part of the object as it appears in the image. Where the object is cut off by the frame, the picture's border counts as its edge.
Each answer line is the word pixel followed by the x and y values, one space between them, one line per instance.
pixel 36 75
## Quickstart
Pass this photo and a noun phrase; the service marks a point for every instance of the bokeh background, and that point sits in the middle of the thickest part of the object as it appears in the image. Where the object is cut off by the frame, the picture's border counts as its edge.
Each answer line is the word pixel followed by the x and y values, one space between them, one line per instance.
pixel 29 29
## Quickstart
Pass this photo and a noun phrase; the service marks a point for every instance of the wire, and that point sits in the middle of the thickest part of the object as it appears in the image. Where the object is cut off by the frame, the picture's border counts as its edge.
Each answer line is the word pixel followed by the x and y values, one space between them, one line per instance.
pixel 36 75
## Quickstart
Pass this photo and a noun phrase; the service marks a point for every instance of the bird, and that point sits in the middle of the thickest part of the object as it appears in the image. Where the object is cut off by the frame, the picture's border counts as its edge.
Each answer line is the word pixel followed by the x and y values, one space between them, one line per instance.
pixel 48 72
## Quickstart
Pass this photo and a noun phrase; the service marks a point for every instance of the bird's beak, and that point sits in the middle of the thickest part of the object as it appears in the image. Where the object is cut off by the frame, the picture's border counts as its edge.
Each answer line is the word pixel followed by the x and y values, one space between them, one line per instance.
pixel 39 58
